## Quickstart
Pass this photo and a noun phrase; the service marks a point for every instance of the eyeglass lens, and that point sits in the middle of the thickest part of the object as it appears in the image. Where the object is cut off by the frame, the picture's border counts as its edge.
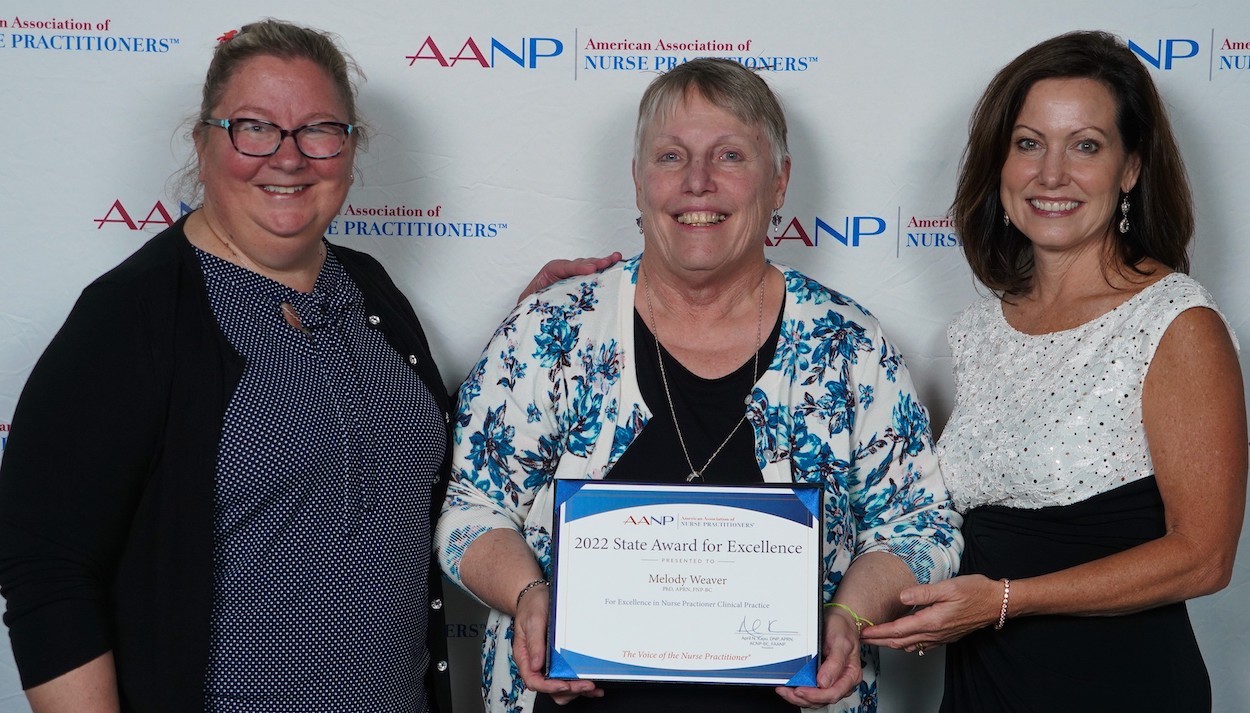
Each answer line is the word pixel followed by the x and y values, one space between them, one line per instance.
pixel 258 138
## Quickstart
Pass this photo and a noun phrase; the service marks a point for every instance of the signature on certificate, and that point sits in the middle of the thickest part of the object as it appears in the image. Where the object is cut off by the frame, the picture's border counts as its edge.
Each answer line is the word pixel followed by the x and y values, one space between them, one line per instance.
pixel 761 627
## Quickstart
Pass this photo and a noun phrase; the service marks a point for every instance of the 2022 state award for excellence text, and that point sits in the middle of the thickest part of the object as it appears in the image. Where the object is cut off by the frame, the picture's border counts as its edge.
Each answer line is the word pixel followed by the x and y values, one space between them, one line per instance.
pixel 678 583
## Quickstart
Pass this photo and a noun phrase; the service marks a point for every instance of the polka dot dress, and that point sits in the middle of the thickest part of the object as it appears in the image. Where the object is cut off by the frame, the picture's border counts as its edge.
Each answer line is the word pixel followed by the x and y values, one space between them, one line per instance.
pixel 1054 419
pixel 329 451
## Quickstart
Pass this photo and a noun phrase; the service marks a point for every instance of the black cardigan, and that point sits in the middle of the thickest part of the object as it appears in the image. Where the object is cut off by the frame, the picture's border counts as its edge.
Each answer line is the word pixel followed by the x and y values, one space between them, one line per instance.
pixel 107 482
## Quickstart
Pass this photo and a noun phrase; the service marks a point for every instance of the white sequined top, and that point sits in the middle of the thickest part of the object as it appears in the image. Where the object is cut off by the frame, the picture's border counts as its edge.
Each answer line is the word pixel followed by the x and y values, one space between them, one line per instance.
pixel 1054 419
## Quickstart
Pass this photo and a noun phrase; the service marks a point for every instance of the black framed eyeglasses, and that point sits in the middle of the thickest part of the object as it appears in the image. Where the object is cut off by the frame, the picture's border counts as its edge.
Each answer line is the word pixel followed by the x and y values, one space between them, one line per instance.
pixel 254 137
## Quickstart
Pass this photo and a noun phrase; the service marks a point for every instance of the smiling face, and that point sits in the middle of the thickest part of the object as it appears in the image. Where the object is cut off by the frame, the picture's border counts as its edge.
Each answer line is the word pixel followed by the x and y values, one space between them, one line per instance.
pixel 1066 167
pixel 283 197
pixel 706 185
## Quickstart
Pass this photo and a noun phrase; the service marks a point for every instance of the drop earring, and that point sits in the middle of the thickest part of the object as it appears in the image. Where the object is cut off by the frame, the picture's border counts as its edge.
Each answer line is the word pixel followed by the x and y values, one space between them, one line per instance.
pixel 638 221
pixel 1124 224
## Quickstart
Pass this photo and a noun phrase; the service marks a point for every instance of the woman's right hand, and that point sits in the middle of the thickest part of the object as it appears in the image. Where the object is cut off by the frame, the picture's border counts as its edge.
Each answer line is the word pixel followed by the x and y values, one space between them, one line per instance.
pixel 556 270
pixel 839 673
pixel 945 612
pixel 529 650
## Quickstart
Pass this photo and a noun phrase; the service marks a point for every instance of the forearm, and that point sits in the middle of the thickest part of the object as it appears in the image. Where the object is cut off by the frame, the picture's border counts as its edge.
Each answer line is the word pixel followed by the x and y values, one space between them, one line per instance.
pixel 497 566
pixel 90 688
pixel 871 587
pixel 1170 569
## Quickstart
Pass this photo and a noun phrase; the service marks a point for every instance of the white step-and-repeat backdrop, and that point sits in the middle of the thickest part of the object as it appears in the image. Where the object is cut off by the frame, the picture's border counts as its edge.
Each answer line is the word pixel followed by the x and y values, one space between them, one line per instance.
pixel 502 137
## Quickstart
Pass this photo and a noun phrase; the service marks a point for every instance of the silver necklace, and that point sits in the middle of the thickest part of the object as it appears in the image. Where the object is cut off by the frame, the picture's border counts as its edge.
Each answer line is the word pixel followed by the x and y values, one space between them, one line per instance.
pixel 697 473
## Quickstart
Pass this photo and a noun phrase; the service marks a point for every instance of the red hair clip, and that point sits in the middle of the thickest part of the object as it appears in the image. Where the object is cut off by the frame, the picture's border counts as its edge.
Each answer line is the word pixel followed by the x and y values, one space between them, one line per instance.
pixel 227 36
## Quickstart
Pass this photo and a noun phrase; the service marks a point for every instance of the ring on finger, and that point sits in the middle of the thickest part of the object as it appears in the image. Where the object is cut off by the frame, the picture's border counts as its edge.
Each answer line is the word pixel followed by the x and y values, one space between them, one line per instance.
pixel 920 650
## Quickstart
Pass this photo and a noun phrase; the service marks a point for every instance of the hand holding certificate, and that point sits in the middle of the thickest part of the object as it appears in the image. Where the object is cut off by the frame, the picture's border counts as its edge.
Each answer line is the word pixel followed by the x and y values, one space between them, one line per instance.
pixel 686 583
pixel 529 650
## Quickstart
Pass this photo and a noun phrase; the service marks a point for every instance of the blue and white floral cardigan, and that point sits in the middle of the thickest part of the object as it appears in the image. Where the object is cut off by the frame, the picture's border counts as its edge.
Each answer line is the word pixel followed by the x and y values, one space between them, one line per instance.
pixel 556 396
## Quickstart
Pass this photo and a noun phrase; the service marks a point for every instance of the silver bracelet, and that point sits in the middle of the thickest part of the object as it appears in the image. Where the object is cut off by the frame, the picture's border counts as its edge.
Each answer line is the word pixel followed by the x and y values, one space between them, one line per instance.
pixel 540 582
pixel 1002 615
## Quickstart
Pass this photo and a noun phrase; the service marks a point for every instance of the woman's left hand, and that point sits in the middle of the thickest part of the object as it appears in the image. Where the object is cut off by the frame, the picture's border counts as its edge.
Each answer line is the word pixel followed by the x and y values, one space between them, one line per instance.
pixel 945 612
pixel 556 270
pixel 841 670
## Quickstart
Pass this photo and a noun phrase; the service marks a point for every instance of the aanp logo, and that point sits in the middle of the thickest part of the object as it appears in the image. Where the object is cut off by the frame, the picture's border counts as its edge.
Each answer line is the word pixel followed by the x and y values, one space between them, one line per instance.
pixel 524 52
pixel 649 520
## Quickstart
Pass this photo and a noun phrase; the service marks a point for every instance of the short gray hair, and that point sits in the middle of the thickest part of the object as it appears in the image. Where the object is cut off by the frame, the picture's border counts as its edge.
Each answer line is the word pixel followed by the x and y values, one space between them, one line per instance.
pixel 727 85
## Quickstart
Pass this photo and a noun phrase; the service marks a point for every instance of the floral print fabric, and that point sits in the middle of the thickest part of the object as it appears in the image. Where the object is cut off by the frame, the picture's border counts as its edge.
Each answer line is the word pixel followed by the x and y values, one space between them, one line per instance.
pixel 555 396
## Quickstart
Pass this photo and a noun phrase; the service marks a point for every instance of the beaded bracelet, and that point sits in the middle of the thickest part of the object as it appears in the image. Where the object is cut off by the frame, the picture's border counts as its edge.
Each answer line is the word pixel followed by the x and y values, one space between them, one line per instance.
pixel 540 582
pixel 1002 615
pixel 860 622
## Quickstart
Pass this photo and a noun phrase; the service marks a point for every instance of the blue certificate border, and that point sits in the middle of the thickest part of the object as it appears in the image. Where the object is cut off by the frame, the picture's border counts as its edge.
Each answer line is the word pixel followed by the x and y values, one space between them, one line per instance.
pixel 797 502
pixel 575 499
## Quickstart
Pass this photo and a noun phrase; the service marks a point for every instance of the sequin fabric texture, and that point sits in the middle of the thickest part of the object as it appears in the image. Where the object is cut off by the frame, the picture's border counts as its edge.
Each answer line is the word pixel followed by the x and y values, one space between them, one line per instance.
pixel 1054 419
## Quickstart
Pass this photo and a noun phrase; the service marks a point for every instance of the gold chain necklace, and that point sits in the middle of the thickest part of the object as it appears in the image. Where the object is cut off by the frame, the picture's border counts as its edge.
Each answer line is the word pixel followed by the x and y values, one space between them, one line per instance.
pixel 287 310
pixel 697 473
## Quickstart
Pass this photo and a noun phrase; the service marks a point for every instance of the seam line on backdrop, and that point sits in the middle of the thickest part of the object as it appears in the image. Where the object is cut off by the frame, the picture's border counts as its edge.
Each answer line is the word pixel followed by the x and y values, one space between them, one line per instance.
pixel 898 232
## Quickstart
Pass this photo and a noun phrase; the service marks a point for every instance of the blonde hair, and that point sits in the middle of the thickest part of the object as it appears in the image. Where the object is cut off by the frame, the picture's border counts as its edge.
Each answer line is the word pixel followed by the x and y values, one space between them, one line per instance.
pixel 271 38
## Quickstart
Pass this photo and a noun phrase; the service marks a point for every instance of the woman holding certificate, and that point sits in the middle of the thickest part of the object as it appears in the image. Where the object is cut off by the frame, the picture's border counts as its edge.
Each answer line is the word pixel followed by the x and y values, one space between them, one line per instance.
pixel 640 374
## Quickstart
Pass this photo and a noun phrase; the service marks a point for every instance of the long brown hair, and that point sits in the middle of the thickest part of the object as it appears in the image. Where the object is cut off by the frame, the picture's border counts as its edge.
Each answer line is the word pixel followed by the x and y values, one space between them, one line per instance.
pixel 1161 213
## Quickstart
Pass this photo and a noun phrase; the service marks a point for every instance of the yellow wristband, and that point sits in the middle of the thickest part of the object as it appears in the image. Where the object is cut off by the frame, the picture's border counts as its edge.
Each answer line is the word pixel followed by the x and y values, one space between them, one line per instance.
pixel 860 622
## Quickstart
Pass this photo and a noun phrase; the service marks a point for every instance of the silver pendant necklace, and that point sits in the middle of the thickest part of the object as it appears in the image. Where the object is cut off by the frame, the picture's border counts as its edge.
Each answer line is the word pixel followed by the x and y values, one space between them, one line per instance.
pixel 697 473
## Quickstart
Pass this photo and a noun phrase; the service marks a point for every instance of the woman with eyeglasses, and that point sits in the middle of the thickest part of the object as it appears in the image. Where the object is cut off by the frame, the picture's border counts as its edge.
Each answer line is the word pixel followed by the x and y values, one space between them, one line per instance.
pixel 220 486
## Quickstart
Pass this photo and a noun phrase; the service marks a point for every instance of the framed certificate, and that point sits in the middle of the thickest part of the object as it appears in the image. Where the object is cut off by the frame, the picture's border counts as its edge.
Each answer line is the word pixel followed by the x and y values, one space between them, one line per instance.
pixel 690 583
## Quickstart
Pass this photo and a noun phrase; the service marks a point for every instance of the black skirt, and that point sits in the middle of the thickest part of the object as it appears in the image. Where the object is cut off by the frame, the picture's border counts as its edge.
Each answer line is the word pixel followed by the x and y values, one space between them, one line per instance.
pixel 1148 661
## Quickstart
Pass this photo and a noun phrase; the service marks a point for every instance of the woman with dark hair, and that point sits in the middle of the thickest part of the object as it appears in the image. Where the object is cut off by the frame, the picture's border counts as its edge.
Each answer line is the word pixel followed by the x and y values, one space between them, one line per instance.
pixel 1098 442
pixel 256 534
